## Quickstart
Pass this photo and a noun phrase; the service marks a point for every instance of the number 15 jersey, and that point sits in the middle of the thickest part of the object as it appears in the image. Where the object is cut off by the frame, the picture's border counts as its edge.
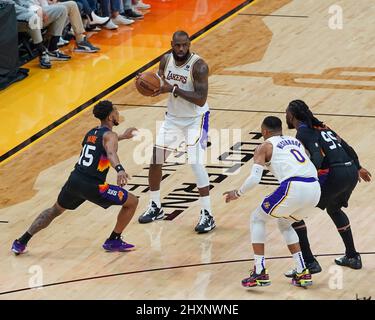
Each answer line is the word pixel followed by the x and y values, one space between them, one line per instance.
pixel 93 162
pixel 289 159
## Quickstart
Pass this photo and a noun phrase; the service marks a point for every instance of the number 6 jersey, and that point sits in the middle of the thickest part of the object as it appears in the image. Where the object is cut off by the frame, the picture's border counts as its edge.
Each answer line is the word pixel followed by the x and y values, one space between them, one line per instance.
pixel 289 159
pixel 93 162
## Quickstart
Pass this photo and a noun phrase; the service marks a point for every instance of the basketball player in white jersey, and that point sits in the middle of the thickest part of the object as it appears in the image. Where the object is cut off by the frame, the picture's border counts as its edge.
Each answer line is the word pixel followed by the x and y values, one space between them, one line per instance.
pixel 185 77
pixel 299 189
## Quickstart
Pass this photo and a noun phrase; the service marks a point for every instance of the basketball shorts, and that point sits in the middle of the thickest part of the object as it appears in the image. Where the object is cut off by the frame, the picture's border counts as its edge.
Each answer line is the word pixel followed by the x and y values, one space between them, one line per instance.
pixel 291 198
pixel 338 187
pixel 78 189
pixel 188 134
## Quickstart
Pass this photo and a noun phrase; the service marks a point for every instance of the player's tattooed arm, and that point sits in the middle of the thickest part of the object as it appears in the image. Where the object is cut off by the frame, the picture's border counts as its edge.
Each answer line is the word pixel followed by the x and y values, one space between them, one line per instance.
pixel 110 144
pixel 45 218
pixel 200 93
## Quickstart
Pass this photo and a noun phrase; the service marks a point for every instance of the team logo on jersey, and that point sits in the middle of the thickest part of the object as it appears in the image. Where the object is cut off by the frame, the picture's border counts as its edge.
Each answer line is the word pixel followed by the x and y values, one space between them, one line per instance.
pixel 266 205
pixel 120 195
pixel 176 77
pixel 103 164
pixel 92 139
pixel 187 67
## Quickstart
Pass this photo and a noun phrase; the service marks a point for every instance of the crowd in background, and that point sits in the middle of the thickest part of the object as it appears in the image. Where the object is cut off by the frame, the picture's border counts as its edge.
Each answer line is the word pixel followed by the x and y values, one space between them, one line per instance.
pixel 50 23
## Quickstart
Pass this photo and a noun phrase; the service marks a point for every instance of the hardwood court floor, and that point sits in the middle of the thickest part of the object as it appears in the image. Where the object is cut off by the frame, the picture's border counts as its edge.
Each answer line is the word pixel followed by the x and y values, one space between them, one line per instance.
pixel 270 53
pixel 47 96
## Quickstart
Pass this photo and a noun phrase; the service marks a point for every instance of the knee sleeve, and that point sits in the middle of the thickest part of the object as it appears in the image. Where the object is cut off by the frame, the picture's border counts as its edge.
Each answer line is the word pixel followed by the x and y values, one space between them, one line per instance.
pixel 289 234
pixel 258 227
pixel 200 175
pixel 339 217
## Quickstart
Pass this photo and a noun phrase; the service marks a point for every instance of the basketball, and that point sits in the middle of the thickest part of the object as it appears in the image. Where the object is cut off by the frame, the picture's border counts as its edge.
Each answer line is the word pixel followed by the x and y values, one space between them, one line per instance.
pixel 147 83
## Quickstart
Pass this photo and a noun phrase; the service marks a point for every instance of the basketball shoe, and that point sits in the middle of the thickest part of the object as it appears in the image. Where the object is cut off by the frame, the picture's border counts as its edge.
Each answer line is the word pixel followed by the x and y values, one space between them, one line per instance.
pixel 206 222
pixel 302 279
pixel 18 247
pixel 314 267
pixel 151 214
pixel 117 245
pixel 256 280
pixel 353 263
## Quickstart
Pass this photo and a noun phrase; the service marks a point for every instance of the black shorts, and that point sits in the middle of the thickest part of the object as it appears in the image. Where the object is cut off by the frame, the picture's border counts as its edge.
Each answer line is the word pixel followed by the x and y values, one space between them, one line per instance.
pixel 338 187
pixel 78 189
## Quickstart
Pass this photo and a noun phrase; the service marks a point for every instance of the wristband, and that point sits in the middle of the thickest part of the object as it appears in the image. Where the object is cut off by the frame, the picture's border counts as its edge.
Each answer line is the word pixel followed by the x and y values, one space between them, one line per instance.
pixel 174 89
pixel 238 193
pixel 119 168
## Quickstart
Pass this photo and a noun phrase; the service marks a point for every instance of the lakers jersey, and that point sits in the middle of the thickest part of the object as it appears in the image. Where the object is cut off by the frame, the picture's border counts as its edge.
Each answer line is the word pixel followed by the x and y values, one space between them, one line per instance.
pixel 182 76
pixel 289 159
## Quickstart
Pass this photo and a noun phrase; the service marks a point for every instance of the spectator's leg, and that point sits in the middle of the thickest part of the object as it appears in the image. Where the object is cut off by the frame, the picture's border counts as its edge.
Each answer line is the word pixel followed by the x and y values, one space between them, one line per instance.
pixel 75 19
pixel 56 18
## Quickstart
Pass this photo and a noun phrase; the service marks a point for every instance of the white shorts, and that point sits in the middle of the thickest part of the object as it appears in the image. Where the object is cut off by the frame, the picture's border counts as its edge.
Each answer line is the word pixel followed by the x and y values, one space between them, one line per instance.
pixel 291 198
pixel 189 134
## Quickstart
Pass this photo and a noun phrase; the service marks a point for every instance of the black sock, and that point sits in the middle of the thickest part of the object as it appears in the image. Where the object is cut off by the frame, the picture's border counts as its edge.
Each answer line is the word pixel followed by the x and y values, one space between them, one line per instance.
pixel 301 231
pixel 40 48
pixel 114 236
pixel 53 43
pixel 341 221
pixel 25 238
pixel 347 237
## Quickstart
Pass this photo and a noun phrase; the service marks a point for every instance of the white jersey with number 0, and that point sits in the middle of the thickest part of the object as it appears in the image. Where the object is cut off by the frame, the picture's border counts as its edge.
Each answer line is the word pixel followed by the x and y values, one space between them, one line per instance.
pixel 183 77
pixel 289 159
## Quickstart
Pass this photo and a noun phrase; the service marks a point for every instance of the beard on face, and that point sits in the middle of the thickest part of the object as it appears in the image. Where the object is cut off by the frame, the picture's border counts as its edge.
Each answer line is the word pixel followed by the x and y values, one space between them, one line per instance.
pixel 180 59
pixel 115 123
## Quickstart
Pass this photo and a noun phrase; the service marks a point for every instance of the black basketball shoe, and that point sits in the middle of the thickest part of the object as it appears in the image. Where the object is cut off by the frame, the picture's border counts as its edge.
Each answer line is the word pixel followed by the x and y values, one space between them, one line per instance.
pixel 314 267
pixel 353 263
pixel 151 214
pixel 206 222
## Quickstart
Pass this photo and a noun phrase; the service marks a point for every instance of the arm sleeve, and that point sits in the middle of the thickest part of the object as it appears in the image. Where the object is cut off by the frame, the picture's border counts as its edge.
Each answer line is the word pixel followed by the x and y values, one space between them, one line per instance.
pixel 311 142
pixel 252 180
pixel 351 153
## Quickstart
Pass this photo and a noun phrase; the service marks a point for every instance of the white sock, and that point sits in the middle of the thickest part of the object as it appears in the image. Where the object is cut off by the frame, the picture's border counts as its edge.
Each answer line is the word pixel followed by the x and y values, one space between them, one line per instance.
pixel 155 196
pixel 300 263
pixel 206 203
pixel 260 263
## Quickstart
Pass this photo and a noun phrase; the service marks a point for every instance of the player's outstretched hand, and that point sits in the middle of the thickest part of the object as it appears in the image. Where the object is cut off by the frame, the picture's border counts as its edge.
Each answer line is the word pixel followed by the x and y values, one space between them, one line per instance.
pixel 364 174
pixel 230 195
pixel 129 133
pixel 122 178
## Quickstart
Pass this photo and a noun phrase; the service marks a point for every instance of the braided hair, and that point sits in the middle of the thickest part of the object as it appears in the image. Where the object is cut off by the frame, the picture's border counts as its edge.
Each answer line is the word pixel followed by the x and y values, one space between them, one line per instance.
pixel 301 112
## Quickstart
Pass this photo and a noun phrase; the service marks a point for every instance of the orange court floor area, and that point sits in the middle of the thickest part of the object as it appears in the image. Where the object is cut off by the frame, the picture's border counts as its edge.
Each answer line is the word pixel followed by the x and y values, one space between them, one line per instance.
pixel 47 98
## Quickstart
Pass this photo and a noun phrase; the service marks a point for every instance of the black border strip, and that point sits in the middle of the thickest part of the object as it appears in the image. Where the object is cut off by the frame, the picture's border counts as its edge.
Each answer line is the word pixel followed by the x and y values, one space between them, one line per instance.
pixel 253 111
pixel 113 87
pixel 271 15
pixel 163 269
pixel 2 221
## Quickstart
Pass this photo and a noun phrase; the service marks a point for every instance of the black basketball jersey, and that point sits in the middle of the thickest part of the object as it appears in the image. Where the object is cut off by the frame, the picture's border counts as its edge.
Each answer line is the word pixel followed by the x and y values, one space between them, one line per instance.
pixel 330 144
pixel 93 162
pixel 324 146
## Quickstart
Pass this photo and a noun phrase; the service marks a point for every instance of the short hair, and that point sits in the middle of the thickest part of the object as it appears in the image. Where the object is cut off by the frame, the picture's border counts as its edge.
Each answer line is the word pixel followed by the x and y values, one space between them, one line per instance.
pixel 179 33
pixel 103 109
pixel 272 123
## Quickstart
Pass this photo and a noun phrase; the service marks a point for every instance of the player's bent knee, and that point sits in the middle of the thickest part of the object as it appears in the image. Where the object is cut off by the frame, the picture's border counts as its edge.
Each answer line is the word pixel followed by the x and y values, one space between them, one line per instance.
pixel 131 201
pixel 289 234
pixel 201 175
